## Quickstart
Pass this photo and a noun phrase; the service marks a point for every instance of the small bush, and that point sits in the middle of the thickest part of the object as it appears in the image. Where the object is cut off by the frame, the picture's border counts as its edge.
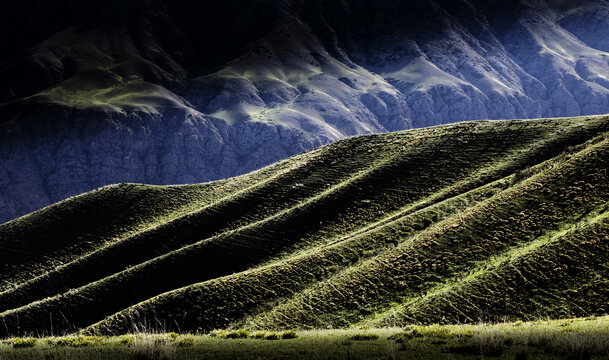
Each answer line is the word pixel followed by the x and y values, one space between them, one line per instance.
pixel 21 343
pixel 126 340
pixel 363 337
pixel 272 336
pixel 186 341
pixel 218 333
pixel 172 336
pixel 290 334
pixel 258 335
pixel 237 334
pixel 465 334
pixel 159 341
pixel 435 334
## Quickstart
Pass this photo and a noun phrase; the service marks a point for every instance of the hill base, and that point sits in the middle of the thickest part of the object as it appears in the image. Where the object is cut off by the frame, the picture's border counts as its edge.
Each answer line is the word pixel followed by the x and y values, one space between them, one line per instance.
pixel 559 339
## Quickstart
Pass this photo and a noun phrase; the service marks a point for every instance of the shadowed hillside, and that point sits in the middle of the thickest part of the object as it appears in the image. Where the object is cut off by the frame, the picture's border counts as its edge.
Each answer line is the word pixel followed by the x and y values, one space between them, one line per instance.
pixel 476 221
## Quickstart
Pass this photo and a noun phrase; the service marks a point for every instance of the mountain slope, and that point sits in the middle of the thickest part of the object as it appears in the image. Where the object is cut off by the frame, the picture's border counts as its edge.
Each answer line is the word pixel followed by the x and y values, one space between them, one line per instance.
pixel 382 229
pixel 171 92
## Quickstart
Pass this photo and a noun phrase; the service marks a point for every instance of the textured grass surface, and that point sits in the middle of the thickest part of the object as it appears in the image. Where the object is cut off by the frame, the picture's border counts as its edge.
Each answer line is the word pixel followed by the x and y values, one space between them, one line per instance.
pixel 564 339
pixel 480 221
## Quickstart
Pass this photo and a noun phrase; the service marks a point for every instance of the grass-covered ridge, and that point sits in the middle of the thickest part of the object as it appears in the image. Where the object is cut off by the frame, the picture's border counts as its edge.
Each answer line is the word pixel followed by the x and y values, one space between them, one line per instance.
pixel 478 221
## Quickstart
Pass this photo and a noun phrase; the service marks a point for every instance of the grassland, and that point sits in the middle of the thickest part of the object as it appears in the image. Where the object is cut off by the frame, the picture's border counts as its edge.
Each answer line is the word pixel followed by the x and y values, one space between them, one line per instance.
pixel 486 221
pixel 562 339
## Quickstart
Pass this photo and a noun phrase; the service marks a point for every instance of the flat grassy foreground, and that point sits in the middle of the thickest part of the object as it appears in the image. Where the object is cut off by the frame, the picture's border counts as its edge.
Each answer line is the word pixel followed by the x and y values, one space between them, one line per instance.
pixel 557 339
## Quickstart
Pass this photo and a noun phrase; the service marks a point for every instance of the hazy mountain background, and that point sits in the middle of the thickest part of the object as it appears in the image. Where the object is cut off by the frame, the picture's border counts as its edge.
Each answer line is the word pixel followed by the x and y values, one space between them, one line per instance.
pixel 167 92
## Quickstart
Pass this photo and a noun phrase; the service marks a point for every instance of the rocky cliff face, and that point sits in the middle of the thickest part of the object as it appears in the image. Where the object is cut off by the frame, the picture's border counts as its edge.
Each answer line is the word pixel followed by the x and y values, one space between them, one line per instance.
pixel 170 92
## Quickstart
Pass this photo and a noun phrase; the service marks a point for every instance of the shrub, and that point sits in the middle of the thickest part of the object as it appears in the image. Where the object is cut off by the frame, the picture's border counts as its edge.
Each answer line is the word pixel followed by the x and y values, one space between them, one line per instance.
pixel 218 333
pixel 159 341
pixel 20 343
pixel 272 336
pixel 433 333
pixel 236 334
pixel 258 335
pixel 290 334
pixel 186 341
pixel 363 337
pixel 126 340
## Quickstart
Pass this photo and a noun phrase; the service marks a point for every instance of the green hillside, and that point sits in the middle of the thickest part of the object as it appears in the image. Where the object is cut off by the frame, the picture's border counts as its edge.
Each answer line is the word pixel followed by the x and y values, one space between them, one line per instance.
pixel 478 221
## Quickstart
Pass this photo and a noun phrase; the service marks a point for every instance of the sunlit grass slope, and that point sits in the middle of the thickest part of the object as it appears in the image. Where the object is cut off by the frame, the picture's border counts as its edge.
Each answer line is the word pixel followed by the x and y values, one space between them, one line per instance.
pixel 477 221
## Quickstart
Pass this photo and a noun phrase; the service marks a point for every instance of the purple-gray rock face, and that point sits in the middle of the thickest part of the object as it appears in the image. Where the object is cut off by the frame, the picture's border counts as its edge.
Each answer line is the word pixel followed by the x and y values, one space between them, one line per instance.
pixel 172 92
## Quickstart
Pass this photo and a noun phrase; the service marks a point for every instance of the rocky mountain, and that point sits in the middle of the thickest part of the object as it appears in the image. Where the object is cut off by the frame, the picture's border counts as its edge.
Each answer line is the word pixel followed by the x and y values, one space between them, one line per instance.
pixel 169 92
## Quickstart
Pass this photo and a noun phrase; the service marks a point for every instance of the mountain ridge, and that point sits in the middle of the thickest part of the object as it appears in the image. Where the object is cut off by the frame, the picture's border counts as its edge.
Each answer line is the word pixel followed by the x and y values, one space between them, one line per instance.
pixel 176 92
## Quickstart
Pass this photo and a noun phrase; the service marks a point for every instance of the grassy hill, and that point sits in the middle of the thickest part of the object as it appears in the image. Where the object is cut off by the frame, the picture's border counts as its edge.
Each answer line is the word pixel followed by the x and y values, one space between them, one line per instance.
pixel 478 221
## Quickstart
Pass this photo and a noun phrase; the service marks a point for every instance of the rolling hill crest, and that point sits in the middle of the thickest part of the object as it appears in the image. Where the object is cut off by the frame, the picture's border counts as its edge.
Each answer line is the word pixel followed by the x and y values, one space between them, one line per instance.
pixel 475 221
